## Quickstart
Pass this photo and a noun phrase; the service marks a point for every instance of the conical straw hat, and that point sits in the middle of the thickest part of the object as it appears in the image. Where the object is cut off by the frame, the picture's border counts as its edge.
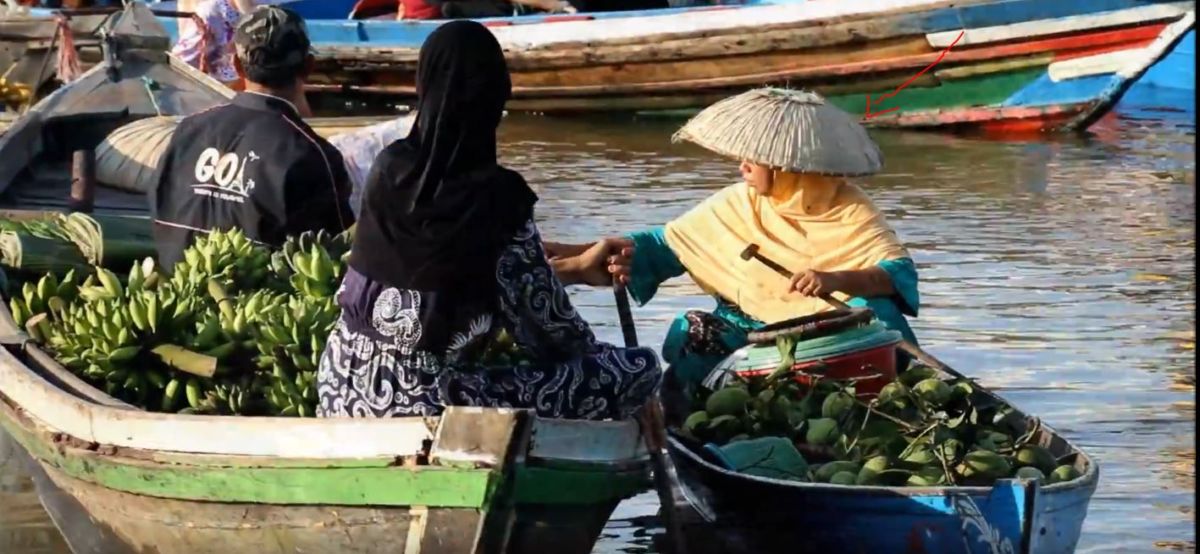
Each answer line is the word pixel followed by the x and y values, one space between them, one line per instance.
pixel 791 130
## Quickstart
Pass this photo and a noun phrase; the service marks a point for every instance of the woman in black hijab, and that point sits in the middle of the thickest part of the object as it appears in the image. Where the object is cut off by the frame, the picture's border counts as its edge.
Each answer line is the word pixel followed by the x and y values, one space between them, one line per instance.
pixel 448 279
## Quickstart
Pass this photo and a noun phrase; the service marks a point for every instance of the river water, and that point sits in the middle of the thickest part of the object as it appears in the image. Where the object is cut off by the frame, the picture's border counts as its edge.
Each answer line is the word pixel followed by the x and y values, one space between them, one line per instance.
pixel 1058 271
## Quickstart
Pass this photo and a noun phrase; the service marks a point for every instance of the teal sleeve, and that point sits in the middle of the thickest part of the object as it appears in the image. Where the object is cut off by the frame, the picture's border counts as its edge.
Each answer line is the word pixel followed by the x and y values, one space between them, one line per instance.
pixel 653 263
pixel 903 273
pixel 892 309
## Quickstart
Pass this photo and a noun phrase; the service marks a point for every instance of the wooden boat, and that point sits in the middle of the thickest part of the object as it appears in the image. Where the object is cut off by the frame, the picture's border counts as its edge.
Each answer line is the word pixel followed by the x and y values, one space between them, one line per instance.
pixel 731 512
pixel 475 480
pixel 1014 64
pixel 1011 64
pixel 135 79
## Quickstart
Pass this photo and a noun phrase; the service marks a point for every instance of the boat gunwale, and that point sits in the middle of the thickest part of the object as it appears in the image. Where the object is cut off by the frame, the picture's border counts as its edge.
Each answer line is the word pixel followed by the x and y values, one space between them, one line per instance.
pixel 90 422
pixel 1089 479
pixel 55 450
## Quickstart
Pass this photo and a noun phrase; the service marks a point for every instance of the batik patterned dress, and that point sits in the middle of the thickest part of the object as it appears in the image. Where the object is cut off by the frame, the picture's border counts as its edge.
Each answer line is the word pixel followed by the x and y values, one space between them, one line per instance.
pixel 372 368
pixel 221 17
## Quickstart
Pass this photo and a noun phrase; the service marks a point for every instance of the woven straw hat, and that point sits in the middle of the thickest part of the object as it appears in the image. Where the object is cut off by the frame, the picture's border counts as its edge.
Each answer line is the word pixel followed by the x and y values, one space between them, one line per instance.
pixel 791 130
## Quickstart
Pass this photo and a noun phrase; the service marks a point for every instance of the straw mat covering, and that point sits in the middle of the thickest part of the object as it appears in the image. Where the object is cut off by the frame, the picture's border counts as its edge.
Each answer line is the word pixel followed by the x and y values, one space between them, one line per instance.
pixel 128 157
pixel 790 130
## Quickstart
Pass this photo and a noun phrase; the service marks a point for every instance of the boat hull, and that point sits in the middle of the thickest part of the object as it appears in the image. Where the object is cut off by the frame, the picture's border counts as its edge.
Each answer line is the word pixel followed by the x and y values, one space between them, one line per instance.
pixel 115 478
pixel 1018 65
pixel 730 512
pixel 737 513
pixel 1009 65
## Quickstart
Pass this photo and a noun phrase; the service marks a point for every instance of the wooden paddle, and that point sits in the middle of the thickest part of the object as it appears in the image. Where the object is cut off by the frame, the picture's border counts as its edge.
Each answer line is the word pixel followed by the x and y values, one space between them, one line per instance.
pixel 654 432
pixel 913 350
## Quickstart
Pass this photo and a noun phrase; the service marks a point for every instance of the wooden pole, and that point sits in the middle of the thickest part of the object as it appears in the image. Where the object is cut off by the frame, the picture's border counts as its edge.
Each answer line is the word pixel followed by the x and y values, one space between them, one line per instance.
pixel 654 433
pixel 83 182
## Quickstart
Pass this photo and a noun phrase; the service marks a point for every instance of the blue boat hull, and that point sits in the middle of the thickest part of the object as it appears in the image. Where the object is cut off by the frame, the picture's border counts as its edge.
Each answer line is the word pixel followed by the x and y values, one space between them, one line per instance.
pixel 741 513
pixel 1177 71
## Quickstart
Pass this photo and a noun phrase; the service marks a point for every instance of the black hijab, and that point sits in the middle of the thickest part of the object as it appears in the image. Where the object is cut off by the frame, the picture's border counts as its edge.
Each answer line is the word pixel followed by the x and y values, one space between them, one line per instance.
pixel 437 207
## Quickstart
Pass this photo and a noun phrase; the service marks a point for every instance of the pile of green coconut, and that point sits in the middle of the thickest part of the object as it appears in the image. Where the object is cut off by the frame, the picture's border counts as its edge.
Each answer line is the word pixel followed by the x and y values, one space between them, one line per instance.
pixel 922 430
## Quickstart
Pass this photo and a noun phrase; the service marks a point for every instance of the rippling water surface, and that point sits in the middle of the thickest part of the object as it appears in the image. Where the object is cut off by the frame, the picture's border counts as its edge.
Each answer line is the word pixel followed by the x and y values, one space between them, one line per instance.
pixel 1058 271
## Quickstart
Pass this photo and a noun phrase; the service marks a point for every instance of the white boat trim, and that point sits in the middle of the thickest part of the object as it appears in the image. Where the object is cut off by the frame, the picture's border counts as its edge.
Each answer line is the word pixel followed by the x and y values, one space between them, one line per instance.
pixel 297 438
pixel 1099 64
pixel 1043 27
pixel 1157 49
pixel 539 35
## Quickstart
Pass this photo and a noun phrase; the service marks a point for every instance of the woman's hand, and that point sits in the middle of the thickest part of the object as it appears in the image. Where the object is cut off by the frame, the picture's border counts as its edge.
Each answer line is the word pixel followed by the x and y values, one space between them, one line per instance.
pixel 604 260
pixel 815 283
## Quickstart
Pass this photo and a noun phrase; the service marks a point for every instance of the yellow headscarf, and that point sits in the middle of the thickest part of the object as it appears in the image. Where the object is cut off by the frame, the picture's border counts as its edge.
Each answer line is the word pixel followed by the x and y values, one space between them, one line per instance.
pixel 807 222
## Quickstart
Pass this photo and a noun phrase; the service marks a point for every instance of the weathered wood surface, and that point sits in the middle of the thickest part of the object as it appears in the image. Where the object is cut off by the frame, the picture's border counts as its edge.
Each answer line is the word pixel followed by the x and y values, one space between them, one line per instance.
pixel 168 526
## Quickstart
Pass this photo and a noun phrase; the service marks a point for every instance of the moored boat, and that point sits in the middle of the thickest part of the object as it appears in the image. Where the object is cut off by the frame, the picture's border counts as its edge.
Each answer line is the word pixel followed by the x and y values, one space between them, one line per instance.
pixel 475 480
pixel 136 79
pixel 991 64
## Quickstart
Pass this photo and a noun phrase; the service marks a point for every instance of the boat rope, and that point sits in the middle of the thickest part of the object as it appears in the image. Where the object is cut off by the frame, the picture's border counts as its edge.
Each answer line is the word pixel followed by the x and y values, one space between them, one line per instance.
pixel 67 69
pixel 205 40
pixel 149 85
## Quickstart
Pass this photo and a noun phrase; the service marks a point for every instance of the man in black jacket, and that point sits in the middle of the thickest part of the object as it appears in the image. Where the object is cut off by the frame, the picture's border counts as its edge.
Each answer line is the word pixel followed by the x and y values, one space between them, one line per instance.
pixel 253 163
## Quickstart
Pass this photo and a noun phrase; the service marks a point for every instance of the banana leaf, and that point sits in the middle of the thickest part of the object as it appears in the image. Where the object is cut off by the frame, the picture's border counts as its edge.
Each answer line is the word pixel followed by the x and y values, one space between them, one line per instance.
pixel 34 254
pixel 109 241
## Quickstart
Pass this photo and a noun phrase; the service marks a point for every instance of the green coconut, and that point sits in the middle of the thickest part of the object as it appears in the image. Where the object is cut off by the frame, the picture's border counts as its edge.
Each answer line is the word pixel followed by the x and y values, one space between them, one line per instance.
pixel 828 470
pixel 696 423
pixel 961 390
pixel 822 431
pixel 871 471
pixel 928 476
pixel 949 449
pixel 836 405
pixel 916 374
pixel 844 478
pixel 993 440
pixel 1029 473
pixel 891 393
pixel 933 391
pixel 725 427
pixel 1036 456
pixel 984 464
pixel 729 401
pixel 780 409
pixel 1062 474
pixel 921 455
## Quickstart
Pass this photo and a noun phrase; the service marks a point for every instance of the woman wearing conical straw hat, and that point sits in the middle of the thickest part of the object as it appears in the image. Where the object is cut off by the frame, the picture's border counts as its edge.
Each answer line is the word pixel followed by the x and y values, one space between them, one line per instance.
pixel 797 205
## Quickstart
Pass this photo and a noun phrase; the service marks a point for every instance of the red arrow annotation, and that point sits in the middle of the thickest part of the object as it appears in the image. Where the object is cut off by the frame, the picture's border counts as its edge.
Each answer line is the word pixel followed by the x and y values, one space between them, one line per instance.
pixel 869 114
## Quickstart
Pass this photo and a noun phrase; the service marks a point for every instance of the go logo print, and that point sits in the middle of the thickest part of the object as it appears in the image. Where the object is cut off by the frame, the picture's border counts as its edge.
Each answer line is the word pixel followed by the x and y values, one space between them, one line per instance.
pixel 226 171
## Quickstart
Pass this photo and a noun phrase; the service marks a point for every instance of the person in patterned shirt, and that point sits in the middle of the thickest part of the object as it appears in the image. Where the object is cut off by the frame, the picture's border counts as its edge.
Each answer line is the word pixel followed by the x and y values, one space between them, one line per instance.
pixel 210 47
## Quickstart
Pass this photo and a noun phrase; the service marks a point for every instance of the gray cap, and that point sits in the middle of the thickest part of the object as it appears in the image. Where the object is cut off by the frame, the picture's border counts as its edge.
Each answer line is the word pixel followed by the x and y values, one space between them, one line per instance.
pixel 271 37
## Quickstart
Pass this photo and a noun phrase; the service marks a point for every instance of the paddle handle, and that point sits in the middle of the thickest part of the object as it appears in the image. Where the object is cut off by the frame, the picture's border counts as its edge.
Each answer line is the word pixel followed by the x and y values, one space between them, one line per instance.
pixel 654 433
pixel 628 330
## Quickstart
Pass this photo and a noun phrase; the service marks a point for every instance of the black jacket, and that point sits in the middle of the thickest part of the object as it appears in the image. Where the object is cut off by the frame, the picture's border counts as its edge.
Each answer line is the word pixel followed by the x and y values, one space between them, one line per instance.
pixel 252 164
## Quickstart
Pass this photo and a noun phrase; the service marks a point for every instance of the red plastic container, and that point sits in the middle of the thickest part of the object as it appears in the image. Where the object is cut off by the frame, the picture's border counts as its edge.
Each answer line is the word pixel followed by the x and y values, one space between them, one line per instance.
pixel 878 364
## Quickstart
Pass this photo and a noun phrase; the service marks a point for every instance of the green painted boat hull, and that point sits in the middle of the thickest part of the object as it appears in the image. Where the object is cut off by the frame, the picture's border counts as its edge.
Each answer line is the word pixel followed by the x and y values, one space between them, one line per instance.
pixel 136 505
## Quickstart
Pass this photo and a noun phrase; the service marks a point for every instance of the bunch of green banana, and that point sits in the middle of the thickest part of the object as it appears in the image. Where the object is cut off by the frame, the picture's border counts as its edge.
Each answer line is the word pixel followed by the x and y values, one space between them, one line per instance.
pixel 49 293
pixel 228 256
pixel 290 342
pixel 312 263
pixel 98 340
